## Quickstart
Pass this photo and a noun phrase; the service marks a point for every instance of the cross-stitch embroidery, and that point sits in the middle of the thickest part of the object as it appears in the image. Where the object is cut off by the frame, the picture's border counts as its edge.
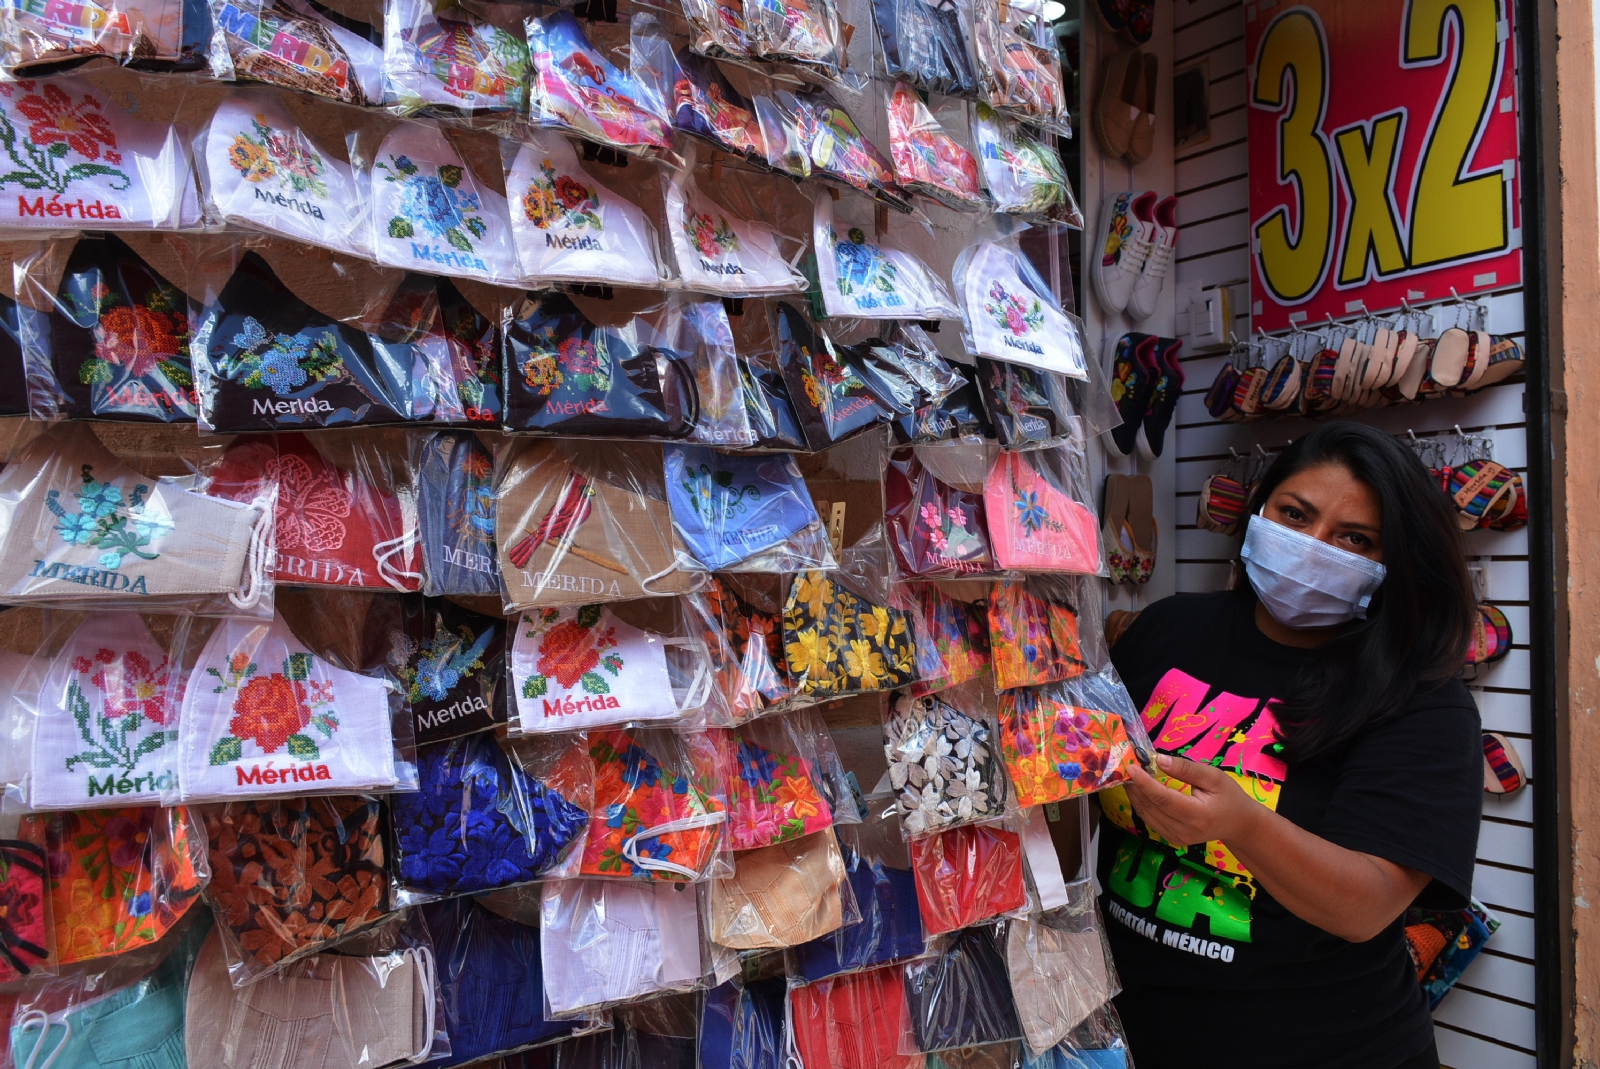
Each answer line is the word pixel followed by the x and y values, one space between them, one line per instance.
pixel 436 203
pixel 58 129
pixel 133 698
pixel 273 710
pixel 865 273
pixel 105 522
pixel 140 339
pixel 272 154
pixel 283 362
pixel 450 658
pixel 551 361
pixel 1012 312
pixel 712 237
pixel 571 651
pixel 560 202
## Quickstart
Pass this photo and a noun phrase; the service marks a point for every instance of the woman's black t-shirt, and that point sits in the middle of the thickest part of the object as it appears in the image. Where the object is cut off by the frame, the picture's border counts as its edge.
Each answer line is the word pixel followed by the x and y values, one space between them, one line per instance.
pixel 1217 973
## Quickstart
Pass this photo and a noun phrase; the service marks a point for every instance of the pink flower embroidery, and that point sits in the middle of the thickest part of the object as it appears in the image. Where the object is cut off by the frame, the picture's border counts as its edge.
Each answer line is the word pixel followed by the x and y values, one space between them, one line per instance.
pixel 136 688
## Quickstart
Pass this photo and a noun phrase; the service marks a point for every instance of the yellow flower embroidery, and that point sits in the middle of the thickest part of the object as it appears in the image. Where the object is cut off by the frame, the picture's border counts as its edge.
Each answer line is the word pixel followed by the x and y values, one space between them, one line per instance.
pixel 809 654
pixel 864 663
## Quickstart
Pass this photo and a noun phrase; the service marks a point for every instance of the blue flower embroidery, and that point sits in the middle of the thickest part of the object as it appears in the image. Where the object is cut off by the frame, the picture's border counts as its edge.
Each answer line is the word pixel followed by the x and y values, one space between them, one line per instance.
pixel 756 764
pixel 280 365
pixel 1030 512
pixel 641 769
pixel 76 528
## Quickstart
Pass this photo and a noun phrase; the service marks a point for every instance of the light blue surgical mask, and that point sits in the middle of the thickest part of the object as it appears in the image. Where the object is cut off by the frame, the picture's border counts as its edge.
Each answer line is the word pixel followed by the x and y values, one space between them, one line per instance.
pixel 1304 582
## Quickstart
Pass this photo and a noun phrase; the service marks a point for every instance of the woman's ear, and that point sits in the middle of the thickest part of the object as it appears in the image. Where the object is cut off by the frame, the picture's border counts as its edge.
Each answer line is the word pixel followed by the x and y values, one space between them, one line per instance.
pixel 1119 622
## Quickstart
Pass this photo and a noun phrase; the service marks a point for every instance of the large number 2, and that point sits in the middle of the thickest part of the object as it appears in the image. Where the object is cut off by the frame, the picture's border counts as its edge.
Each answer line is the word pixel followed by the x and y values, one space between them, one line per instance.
pixel 1453 217
pixel 1292 264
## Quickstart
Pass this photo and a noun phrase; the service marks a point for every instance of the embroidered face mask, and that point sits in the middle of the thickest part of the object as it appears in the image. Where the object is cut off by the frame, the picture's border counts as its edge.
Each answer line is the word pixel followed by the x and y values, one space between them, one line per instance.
pixel 140 1024
pixel 451 662
pixel 450 63
pixel 942 765
pixel 156 35
pixel 273 362
pixel 290 876
pixel 334 527
pixel 79 527
pixel 13 372
pixel 1011 316
pixel 959 633
pixel 117 342
pixel 603 942
pixel 802 31
pixel 455 506
pixel 1022 175
pixel 568 227
pixel 753 677
pixel 829 395
pixel 107 718
pixel 928 160
pixel 578 668
pixel 779 896
pixel 935 529
pixel 1034 525
pixel 336 1009
pixel 576 88
pixel 962 997
pixel 119 878
pixel 717 28
pixel 478 822
pixel 89 165
pixel 772 413
pixel 264 715
pixel 711 108
pixel 1033 639
pixel 658 809
pixel 1055 750
pixel 718 252
pixel 838 643
pixel 252 38
pixel 1018 75
pixel 774 793
pixel 25 930
pixel 430 213
pixel 966 875
pixel 742 1025
pixel 853 1022
pixel 873 280
pixel 467 386
pixel 890 928
pixel 263 171
pixel 1026 407
pixel 926 44
pixel 729 508
pixel 578 524
pixel 1057 969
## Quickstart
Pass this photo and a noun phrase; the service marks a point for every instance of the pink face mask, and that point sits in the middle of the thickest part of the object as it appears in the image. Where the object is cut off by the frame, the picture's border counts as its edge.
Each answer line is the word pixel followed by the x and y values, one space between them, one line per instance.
pixel 1033 525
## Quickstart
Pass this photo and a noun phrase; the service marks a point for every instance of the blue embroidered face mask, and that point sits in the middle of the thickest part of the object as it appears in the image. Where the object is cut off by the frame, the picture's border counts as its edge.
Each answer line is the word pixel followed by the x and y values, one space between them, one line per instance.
pixel 730 508
pixel 455 508
pixel 452 664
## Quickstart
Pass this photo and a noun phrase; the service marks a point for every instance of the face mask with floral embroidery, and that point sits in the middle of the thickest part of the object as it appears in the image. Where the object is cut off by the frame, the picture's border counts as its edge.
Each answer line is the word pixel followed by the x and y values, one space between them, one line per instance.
pixel 115 345
pixel 263 715
pixel 926 44
pixel 576 88
pixel 774 795
pixel 959 634
pixel 1034 525
pixel 1010 314
pixel 85 164
pixel 107 718
pixel 570 228
pixel 753 677
pixel 430 213
pixel 936 530
pixel 263 171
pixel 581 667
pixel 78 527
pixel 829 395
pixel 455 506
pixel 709 107
pixel 1032 639
pixel 926 159
pixel 871 280
pixel 1055 748
pixel 449 63
pixel 729 508
pixel 659 811
pixel 836 146
pixel 451 662
pixel 339 64
pixel 838 643
pixel 25 924
pixel 718 252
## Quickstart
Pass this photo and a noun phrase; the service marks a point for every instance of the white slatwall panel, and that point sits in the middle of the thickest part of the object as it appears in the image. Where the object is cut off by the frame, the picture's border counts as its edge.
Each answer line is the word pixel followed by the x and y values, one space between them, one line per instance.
pixel 1488 1021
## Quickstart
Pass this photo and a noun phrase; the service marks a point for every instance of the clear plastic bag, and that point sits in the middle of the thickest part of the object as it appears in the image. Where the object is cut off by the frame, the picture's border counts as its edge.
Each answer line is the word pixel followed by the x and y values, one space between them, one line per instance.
pixel 28 929
pixel 833 144
pixel 461 357
pixel 928 158
pixel 925 42
pixel 708 105
pixel 959 634
pixel 960 415
pixel 839 642
pixel 960 995
pixel 1070 739
pixel 968 874
pixel 943 764
pixel 853 1021
pixel 752 672
pixel 1011 315
pixel 448 62
pixel 744 513
pixel 799 31
pixel 591 666
pixel 581 523
pixel 1027 408
pixel 84 163
pixel 873 280
pixel 120 879
pixel 609 942
pixel 291 877
pixel 718 252
pixel 481 821
pixel 345 511
pixel 153 35
pixel 1097 1043
pixel 1036 632
pixel 1018 74
pixel 455 509
pixel 1060 969
pixel 1041 512
pixel 576 87
pixel 451 662
pixel 827 394
pixel 774 771
pixel 103 337
pixel 938 531
pixel 1023 175
pixel 743 1025
pixel 116 533
pixel 290 44
pixel 783 895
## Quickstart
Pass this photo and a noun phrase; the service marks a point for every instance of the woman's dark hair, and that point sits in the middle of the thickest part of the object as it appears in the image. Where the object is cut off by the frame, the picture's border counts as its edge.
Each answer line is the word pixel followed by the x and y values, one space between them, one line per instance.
pixel 1420 621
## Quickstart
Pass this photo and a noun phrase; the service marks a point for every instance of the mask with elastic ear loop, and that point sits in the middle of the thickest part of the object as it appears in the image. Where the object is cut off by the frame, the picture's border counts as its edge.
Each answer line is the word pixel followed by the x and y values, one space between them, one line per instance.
pixel 1303 581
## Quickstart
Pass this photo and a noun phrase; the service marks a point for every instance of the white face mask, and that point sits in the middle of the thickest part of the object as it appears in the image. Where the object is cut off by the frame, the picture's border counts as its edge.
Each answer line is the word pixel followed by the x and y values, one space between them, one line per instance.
pixel 581 667
pixel 430 214
pixel 1305 582
pixel 1010 321
pixel 604 942
pixel 873 281
pixel 569 227
pixel 262 170
pixel 720 253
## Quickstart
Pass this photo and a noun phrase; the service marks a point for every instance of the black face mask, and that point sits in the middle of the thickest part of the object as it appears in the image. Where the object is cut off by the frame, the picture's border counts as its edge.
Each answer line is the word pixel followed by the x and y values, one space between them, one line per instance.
pixel 963 998
pixel 474 343
pixel 925 44
pixel 830 396
pixel 117 339
pixel 1026 406
pixel 957 416
pixel 451 662
pixel 565 375
pixel 766 400
pixel 276 363
pixel 13 374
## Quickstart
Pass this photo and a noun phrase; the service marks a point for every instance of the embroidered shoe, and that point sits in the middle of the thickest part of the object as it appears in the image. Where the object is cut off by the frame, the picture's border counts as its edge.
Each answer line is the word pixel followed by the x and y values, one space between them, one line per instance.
pixel 1163 244
pixel 1139 18
pixel 1133 382
pixel 1114 13
pixel 1164 397
pixel 1127 244
pixel 1116 113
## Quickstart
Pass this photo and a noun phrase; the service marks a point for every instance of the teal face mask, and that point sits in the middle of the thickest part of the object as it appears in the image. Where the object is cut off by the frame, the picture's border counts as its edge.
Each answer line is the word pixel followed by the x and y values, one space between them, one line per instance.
pixel 136 1027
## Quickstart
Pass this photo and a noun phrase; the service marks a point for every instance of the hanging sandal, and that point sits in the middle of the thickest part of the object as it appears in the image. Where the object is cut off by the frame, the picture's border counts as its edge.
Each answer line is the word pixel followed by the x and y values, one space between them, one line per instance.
pixel 1503 772
pixel 1114 519
pixel 1141 526
pixel 1476 487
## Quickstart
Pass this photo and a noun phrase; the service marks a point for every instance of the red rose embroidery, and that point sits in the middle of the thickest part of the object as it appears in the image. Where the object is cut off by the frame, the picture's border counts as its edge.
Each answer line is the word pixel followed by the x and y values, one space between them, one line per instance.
pixel 135 338
pixel 567 652
pixel 269 709
pixel 570 193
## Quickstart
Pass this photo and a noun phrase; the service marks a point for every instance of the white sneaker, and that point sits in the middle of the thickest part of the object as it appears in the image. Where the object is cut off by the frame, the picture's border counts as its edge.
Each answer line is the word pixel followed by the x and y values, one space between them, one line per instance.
pixel 1163 243
pixel 1129 227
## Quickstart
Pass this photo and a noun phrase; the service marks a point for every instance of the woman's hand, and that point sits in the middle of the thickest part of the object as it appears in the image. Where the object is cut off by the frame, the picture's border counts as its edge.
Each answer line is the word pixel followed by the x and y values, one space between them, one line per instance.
pixel 1218 808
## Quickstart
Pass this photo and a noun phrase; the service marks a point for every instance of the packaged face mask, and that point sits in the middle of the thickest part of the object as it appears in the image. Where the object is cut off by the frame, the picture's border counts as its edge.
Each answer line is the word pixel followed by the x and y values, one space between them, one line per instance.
pixel 838 643
pixel 450 63
pixel 26 934
pixel 120 879
pixel 576 88
pixel 752 675
pixel 106 718
pixel 937 531
pixel 270 361
pixel 709 107
pixel 263 171
pixel 264 715
pixel 451 662
pixel 333 526
pixel 801 31
pixel 1018 75
pixel 720 253
pixel 772 414
pixel 79 527
pixel 1022 175
pixel 942 764
pixel 928 160
pixel 829 396
pixel 578 668
pixel 774 792
pixel 1033 639
pixel 873 281
pixel 160 35
pixel 1056 749
pixel 289 44
pixel 570 228
pixel 140 1024
pixel 742 1025
pixel 836 146
pixel 780 896
pixel 961 997
pixel 571 376
pixel 730 508
pixel 659 813
pixel 1058 973
pixel 880 877
pixel 1034 524
pixel 704 330
pixel 959 634
pixel 926 44
pixel 1011 316
pixel 431 213
pixel 716 28
pixel 468 388
pixel 455 507
pixel 85 164
pixel 853 1022
pixel 605 942
pixel 1025 407
pixel 966 875
pixel 115 345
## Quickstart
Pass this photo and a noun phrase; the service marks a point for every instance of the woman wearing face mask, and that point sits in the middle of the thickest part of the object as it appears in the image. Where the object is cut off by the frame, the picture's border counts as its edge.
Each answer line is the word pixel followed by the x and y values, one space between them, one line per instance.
pixel 1322 772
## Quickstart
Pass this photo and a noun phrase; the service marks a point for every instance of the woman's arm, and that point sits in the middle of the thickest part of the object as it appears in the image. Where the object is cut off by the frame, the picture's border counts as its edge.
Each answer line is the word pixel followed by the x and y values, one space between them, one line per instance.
pixel 1344 892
